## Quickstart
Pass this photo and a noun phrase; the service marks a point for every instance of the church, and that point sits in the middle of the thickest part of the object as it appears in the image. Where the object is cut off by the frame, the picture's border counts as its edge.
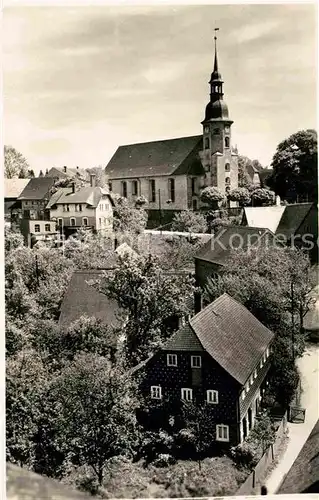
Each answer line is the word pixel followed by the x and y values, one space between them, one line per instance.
pixel 171 173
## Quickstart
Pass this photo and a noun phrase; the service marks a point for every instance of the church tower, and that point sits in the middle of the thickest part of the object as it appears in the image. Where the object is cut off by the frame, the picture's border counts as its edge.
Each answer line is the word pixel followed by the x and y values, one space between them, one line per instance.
pixel 219 159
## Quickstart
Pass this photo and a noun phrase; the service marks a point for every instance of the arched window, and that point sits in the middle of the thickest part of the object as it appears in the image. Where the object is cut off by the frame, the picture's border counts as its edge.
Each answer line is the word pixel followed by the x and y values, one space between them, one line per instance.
pixel 227 189
pixel 60 222
pixel 85 221
pixel 226 142
pixel 227 180
pixel 206 143
pixel 72 221
pixel 227 167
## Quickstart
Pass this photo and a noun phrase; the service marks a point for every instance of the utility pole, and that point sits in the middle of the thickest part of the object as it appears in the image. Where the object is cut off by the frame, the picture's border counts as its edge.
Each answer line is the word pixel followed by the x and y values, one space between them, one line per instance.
pixel 37 270
pixel 292 320
pixel 160 208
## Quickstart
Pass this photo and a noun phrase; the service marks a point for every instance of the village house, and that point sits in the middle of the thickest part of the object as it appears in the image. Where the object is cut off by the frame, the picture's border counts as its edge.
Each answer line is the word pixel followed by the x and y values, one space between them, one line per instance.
pixel 216 252
pixel 34 198
pixel 12 190
pixel 171 173
pixel 89 207
pixel 220 358
pixel 294 225
pixel 61 173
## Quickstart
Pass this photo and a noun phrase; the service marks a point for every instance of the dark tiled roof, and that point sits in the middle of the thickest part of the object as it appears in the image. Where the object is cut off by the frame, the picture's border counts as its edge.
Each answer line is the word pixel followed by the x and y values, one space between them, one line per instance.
pixel 292 217
pixel 218 249
pixel 184 339
pixel 58 172
pixel 150 159
pixel 89 195
pixel 232 336
pixel 303 477
pixel 82 299
pixel 37 188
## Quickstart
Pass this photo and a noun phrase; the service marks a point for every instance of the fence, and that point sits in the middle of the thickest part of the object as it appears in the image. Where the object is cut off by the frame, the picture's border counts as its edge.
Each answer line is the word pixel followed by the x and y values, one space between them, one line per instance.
pixel 255 479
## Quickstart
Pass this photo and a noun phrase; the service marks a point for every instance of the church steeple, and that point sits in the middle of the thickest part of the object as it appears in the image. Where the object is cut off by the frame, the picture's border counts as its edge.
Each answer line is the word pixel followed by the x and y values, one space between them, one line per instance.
pixel 216 108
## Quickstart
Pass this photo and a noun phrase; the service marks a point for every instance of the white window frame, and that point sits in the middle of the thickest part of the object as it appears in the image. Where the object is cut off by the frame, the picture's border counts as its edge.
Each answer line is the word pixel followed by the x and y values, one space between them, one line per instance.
pixel 185 391
pixel 255 373
pixel 251 380
pixel 243 394
pixel 247 387
pixel 169 358
pixel 192 362
pixel 261 364
pixel 267 352
pixel 156 392
pixel 221 430
pixel 45 228
pixel 212 397
pixel 37 228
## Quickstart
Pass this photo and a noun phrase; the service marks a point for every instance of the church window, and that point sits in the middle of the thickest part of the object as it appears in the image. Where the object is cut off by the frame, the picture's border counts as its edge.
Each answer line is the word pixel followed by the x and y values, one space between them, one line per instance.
pixel 171 189
pixel 227 189
pixel 134 188
pixel 226 142
pixel 124 189
pixel 152 190
pixel 206 143
pixel 227 180
pixel 193 185
pixel 227 167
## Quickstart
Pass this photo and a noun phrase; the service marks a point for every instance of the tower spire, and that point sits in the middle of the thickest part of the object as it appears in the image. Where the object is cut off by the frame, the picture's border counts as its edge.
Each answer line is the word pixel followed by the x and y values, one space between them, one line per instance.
pixel 215 60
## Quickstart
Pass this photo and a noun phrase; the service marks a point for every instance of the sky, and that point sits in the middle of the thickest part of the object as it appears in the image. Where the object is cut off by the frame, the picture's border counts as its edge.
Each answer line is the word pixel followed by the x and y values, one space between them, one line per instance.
pixel 80 81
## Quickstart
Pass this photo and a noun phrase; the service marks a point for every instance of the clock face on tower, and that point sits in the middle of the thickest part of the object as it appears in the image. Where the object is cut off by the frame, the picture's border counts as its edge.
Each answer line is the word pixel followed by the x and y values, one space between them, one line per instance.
pixel 227 128
pixel 206 130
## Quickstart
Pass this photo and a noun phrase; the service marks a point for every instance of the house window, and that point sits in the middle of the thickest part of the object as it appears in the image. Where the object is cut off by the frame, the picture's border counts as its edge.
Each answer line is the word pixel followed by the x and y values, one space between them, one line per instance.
pixel 85 221
pixel 37 228
pixel 152 190
pixel 60 222
pixel 264 357
pixel 187 394
pixel 267 352
pixel 243 395
pixel 227 189
pixel 206 143
pixel 261 364
pixel 100 222
pixel 226 142
pixel 64 208
pixel 134 188
pixel 80 208
pixel 47 227
pixel 156 392
pixel 227 167
pixel 194 204
pixel 171 189
pixel 193 185
pixel 171 359
pixel 196 362
pixel 227 180
pixel 72 221
pixel 247 387
pixel 255 374
pixel 222 432
pixel 212 397
pixel 251 379
pixel 124 189
pixel 110 186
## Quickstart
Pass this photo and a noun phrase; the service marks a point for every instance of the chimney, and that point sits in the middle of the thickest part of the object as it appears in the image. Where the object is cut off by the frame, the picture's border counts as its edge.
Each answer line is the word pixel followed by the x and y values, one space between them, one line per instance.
pixel 92 179
pixel 73 187
pixel 77 168
pixel 197 301
pixel 64 169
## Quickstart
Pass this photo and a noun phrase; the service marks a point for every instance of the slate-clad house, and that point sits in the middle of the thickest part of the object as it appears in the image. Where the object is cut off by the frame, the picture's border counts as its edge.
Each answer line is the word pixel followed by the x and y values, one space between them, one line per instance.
pixel 220 358
pixel 215 253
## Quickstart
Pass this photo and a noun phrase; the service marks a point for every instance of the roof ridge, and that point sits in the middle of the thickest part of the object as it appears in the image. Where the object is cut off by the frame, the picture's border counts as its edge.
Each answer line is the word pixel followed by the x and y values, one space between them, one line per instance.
pixel 160 140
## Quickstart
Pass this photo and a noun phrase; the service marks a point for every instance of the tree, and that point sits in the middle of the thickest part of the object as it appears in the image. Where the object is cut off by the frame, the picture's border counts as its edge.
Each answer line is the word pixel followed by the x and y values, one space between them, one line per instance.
pixel 30 174
pixel 151 299
pixel 41 174
pixel 241 195
pixel 212 196
pixel 89 251
pixel 262 197
pixel 127 218
pixel 15 164
pixel 295 166
pixel 262 280
pixel 188 221
pixel 178 253
pixel 263 432
pixel 96 402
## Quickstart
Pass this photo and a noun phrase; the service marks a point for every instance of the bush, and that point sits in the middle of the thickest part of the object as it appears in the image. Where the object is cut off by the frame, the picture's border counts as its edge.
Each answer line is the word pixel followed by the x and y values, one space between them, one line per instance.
pixel 188 221
pixel 155 444
pixel 246 454
pixel 164 460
